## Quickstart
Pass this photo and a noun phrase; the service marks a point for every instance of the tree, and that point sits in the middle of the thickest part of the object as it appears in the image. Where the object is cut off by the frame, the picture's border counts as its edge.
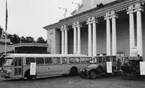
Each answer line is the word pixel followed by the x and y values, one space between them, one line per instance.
pixel 29 39
pixel 10 36
pixel 23 39
pixel 15 39
pixel 41 40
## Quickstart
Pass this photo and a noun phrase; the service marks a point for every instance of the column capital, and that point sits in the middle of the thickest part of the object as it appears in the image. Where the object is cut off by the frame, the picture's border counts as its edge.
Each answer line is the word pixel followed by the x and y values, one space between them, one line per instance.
pixel 113 15
pixel 94 20
pixel 138 7
pixel 78 24
pixel 74 25
pixel 62 28
pixel 89 21
pixel 130 9
pixel 107 16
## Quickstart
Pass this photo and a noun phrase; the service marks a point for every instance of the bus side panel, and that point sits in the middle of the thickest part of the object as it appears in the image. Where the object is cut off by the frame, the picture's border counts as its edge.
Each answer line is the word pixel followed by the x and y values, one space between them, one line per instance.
pixel 55 69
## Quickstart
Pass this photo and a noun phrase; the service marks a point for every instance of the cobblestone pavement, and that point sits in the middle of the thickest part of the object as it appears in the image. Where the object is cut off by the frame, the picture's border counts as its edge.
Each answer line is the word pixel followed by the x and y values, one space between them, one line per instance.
pixel 73 82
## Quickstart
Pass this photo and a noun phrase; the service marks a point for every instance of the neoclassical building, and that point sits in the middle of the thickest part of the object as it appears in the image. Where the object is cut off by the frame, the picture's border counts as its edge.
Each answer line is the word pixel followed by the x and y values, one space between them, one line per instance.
pixel 118 26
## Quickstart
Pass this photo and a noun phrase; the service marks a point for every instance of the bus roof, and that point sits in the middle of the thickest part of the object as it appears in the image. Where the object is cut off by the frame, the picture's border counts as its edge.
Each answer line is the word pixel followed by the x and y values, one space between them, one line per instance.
pixel 46 55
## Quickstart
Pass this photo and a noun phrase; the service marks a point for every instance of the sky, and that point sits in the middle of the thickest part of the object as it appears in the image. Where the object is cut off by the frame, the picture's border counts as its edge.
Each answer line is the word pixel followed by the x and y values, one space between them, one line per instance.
pixel 28 17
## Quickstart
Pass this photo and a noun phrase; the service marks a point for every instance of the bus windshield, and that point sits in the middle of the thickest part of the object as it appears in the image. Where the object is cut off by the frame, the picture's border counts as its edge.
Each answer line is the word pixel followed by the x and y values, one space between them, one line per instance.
pixel 8 62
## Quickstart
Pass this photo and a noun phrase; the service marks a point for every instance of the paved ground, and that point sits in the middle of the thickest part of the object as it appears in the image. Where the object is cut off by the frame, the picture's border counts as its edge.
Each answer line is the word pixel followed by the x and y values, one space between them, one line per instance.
pixel 73 82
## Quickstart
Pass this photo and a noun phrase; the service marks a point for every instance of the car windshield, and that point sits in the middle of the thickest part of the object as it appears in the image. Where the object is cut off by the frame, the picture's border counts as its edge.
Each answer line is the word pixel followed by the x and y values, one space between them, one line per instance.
pixel 8 62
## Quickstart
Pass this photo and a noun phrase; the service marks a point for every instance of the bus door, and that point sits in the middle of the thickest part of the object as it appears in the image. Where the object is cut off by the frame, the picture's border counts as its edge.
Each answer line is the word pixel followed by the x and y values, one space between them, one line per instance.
pixel 40 68
pixel 18 67
pixel 65 65
pixel 56 67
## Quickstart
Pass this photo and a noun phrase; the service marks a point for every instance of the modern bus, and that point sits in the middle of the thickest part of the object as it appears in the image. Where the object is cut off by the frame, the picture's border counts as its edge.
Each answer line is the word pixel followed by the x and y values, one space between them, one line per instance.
pixel 17 66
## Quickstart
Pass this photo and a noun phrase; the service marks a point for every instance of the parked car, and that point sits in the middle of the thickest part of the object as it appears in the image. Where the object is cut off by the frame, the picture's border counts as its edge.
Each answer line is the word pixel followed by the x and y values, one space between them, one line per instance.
pixel 98 67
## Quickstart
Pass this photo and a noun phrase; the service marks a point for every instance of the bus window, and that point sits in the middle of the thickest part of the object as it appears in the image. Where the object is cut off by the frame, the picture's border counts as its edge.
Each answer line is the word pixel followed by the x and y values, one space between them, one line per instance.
pixel 114 58
pixel 56 60
pixel 29 60
pixel 95 60
pixel 104 59
pixel 8 62
pixel 77 60
pixel 48 60
pixel 74 60
pixel 84 60
pixel 64 60
pixel 108 58
pixel 99 59
pixel 71 60
pixel 18 61
pixel 39 60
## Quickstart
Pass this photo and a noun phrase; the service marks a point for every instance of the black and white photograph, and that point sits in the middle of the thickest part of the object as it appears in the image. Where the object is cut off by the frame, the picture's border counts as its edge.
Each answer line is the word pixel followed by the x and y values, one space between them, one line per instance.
pixel 72 43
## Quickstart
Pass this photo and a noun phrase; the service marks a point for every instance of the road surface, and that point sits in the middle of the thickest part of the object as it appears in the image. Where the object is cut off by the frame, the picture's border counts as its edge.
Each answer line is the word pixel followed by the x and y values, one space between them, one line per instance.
pixel 73 82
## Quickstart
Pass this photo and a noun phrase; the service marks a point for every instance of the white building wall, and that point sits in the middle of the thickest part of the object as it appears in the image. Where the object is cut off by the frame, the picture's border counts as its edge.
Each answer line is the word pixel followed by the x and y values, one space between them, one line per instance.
pixel 57 41
pixel 53 40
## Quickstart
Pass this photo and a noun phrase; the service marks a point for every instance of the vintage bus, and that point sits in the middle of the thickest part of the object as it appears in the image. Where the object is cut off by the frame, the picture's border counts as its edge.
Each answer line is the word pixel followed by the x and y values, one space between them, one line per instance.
pixel 18 65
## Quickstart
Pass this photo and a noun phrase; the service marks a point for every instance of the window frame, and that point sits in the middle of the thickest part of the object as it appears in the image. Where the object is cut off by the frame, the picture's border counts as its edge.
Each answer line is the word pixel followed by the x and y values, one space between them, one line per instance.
pixel 50 58
pixel 87 60
pixel 58 60
pixel 28 59
pixel 40 58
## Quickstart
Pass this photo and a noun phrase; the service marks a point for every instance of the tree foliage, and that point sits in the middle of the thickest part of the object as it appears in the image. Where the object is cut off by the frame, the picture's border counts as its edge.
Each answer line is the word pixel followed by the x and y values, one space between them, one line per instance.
pixel 41 40
pixel 15 39
pixel 23 40
pixel 28 39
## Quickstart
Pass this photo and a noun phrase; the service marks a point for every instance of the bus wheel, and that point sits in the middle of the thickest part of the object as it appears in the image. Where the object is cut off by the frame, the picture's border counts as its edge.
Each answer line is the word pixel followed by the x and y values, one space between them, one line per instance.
pixel 73 71
pixel 93 75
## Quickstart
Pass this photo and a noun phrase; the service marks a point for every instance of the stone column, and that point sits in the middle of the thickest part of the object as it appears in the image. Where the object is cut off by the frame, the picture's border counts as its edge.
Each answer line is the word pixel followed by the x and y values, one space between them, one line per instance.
pixel 138 10
pixel 94 36
pixel 79 38
pixel 74 26
pixel 131 27
pixel 89 38
pixel 108 37
pixel 114 43
pixel 62 40
pixel 66 39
